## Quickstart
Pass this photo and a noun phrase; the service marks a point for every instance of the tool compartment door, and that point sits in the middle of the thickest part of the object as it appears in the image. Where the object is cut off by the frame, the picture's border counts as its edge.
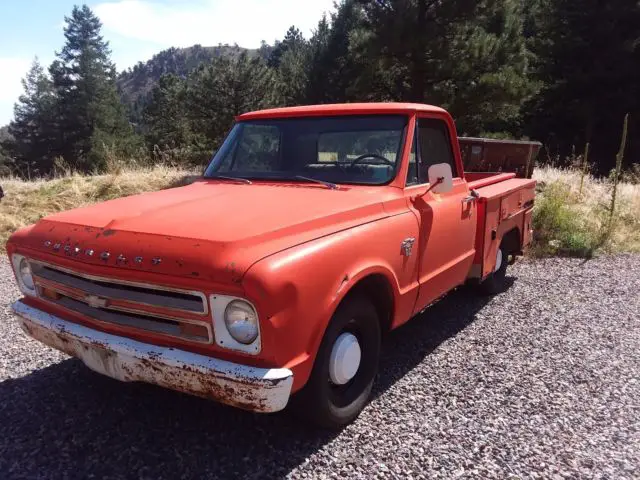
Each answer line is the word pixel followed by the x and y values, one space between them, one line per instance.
pixel 505 206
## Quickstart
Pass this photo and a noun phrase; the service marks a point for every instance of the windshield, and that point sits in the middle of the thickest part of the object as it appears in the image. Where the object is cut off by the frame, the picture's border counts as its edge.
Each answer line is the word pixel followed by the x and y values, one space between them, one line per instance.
pixel 348 149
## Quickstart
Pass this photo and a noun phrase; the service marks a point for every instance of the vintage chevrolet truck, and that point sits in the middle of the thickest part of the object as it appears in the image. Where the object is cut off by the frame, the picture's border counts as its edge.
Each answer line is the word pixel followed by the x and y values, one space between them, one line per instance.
pixel 313 232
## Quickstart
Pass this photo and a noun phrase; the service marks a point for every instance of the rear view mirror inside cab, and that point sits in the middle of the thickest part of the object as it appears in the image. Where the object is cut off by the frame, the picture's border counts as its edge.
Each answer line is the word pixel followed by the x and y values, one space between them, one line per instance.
pixel 440 178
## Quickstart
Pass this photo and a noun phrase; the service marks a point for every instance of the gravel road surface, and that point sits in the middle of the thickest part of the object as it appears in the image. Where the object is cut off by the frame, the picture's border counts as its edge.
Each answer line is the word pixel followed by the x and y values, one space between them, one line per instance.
pixel 542 381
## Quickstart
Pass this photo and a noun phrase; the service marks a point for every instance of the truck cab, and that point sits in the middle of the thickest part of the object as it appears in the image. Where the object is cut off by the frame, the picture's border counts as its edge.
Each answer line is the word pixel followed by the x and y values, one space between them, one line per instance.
pixel 273 278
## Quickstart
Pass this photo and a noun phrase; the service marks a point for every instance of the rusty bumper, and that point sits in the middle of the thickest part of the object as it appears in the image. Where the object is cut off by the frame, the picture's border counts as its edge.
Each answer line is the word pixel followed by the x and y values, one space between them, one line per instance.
pixel 250 388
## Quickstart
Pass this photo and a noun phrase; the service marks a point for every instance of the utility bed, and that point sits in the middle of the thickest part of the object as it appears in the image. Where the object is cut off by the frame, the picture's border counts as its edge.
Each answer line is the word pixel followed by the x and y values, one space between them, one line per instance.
pixel 504 203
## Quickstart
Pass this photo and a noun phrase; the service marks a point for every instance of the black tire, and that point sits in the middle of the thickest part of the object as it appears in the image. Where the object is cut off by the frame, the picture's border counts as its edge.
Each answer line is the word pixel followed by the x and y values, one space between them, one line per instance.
pixel 496 282
pixel 334 406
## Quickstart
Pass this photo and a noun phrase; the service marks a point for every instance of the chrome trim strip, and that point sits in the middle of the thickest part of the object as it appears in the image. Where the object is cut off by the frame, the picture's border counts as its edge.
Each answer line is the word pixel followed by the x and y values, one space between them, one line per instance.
pixel 57 287
pixel 116 282
pixel 189 321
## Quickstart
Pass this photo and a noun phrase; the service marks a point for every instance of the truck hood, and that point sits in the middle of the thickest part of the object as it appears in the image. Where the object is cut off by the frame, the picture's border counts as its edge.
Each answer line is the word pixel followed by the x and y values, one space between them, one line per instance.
pixel 207 228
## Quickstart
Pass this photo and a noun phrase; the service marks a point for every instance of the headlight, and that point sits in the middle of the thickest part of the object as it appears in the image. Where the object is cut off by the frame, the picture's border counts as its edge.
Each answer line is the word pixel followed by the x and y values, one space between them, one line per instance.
pixel 23 273
pixel 241 321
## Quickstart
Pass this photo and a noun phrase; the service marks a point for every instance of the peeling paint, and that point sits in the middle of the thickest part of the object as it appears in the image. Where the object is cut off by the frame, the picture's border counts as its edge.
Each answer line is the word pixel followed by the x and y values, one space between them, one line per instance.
pixel 343 283
pixel 246 387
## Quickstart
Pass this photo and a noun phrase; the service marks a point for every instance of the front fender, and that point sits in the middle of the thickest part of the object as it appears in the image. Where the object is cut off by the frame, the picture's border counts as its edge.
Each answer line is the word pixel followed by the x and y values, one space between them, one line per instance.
pixel 297 291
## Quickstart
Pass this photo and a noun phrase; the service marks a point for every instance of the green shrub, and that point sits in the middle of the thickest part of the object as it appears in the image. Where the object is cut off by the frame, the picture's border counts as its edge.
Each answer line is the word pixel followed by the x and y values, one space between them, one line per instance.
pixel 559 228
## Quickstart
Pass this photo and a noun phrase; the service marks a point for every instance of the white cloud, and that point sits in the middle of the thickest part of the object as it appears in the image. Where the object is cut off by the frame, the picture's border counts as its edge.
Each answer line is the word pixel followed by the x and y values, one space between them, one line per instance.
pixel 209 22
pixel 137 29
pixel 12 70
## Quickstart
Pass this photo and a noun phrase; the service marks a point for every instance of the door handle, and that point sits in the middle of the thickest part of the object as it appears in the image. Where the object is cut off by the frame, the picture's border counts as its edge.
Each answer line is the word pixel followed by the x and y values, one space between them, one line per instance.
pixel 473 195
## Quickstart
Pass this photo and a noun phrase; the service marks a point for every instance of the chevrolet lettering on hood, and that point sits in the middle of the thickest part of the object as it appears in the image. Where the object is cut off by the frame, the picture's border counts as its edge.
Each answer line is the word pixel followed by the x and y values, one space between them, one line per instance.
pixel 312 233
pixel 121 259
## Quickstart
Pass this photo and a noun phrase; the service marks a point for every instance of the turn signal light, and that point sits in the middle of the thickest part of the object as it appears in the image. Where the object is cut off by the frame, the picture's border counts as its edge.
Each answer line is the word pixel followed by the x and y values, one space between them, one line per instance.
pixel 50 294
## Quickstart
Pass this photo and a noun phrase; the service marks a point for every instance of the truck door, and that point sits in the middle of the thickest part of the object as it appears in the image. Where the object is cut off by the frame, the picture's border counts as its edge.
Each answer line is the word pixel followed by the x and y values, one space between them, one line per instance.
pixel 447 221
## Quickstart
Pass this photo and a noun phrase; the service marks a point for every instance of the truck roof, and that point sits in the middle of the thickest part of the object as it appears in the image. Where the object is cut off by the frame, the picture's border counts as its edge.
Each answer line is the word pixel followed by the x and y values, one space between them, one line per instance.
pixel 341 109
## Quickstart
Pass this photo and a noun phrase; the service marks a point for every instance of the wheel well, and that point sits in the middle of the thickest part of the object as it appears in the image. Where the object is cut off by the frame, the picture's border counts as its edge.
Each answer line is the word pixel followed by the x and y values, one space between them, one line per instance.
pixel 377 290
pixel 511 241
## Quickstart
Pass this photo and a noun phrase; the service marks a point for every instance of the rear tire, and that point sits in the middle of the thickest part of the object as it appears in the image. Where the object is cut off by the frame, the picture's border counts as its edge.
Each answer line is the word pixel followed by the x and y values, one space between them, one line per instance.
pixel 331 405
pixel 496 281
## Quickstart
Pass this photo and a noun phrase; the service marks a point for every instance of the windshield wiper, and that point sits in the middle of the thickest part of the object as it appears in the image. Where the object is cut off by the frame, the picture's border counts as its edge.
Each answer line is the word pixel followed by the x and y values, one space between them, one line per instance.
pixel 332 186
pixel 235 179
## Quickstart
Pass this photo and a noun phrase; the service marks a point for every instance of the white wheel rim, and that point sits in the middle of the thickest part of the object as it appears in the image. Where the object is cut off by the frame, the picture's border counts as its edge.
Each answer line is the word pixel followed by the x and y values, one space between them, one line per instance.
pixel 345 359
pixel 498 260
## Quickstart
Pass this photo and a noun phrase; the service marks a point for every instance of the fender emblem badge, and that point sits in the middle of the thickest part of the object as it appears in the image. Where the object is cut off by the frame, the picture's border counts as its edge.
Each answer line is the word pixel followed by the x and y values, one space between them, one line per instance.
pixel 406 246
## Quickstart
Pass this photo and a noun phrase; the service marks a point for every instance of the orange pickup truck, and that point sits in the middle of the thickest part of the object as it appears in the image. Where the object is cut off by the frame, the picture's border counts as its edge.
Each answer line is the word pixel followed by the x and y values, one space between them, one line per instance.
pixel 313 232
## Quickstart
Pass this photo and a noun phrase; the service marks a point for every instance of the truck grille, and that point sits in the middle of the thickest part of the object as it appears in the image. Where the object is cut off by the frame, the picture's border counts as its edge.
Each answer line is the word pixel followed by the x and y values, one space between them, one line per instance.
pixel 167 311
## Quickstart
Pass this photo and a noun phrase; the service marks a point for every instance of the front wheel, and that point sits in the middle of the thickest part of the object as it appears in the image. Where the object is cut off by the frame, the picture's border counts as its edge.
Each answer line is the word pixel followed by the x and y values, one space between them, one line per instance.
pixel 345 367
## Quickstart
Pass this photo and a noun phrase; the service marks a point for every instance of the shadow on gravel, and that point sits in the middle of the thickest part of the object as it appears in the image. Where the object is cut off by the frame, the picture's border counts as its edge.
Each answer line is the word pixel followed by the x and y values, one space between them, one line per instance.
pixel 408 346
pixel 65 420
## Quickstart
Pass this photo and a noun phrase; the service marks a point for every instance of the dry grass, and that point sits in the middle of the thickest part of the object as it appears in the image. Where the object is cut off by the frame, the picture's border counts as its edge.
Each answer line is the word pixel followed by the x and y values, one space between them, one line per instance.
pixel 27 202
pixel 566 222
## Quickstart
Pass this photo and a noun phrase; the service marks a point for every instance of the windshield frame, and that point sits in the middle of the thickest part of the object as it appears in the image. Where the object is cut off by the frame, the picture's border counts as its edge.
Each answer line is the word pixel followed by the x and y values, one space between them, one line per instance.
pixel 228 142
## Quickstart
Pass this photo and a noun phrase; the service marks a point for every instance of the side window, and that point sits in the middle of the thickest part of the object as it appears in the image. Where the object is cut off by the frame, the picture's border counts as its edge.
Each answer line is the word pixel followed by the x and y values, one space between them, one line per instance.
pixel 434 146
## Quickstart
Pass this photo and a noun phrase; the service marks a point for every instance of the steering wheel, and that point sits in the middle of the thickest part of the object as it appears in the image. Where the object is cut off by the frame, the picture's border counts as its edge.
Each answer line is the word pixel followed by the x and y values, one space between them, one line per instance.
pixel 372 155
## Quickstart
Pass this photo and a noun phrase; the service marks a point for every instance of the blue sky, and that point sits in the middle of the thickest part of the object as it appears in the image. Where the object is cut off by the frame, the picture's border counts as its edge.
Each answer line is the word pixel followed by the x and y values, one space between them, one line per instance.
pixel 137 29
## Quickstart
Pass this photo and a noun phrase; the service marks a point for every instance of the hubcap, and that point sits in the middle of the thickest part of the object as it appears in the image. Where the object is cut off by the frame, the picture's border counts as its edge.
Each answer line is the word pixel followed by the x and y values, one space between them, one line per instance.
pixel 345 359
pixel 498 260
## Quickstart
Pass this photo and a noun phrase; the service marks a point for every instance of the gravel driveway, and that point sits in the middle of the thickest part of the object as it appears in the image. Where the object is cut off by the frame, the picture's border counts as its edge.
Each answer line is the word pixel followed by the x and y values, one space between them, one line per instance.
pixel 539 382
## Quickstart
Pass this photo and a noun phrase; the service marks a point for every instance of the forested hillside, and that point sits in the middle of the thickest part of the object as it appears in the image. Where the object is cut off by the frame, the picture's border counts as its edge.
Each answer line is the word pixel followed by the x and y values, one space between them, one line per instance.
pixel 136 83
pixel 564 72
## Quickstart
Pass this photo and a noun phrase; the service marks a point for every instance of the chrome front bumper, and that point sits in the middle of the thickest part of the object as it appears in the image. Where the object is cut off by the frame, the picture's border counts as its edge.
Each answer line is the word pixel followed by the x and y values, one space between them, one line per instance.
pixel 249 388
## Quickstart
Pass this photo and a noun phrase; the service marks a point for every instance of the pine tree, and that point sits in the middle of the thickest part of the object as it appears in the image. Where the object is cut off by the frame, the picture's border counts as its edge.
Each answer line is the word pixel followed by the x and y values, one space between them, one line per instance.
pixel 318 64
pixel 34 142
pixel 6 159
pixel 91 118
pixel 227 87
pixel 464 55
pixel 290 58
pixel 165 114
pixel 340 69
pixel 489 70
pixel 588 58
pixel 293 39
pixel 411 39
pixel 265 51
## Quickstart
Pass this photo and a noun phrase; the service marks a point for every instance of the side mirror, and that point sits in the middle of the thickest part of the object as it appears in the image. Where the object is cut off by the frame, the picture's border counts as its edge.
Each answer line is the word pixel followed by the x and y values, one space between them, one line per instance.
pixel 440 178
